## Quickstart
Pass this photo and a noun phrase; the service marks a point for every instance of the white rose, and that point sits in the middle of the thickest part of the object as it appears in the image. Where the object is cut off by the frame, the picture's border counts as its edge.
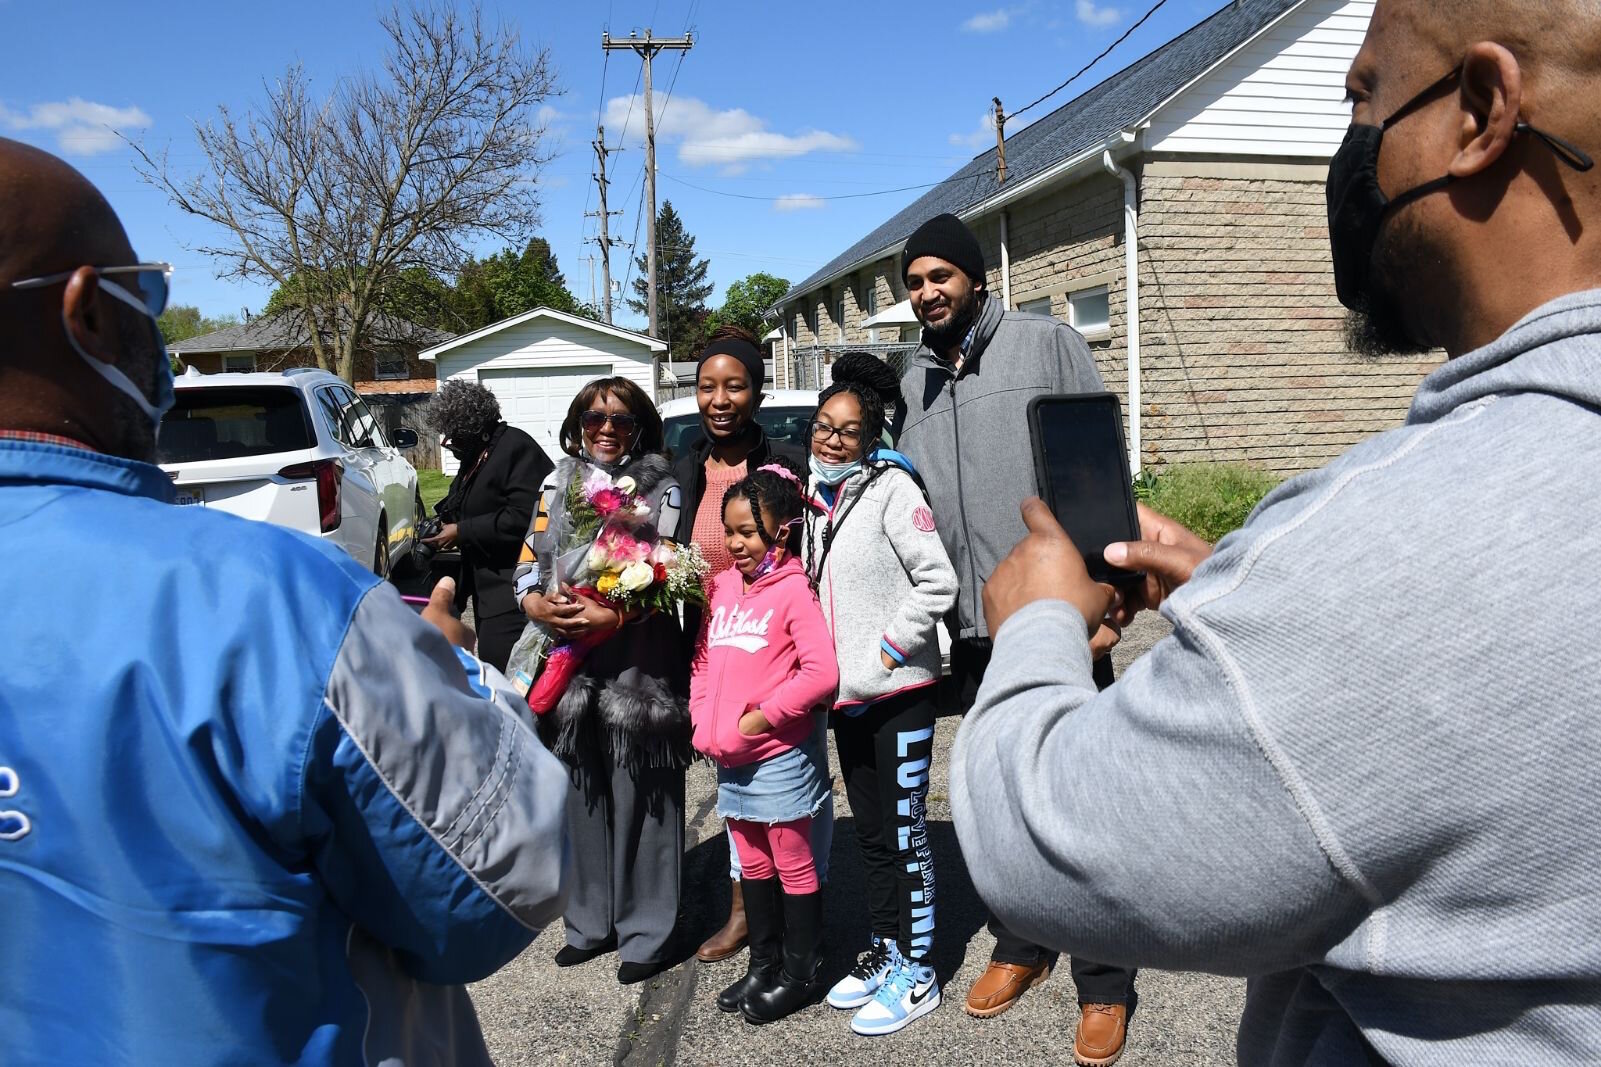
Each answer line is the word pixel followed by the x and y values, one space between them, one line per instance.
pixel 597 559
pixel 624 484
pixel 635 577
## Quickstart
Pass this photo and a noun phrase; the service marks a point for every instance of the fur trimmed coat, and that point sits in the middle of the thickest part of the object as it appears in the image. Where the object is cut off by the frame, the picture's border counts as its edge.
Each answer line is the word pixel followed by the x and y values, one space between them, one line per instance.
pixel 631 693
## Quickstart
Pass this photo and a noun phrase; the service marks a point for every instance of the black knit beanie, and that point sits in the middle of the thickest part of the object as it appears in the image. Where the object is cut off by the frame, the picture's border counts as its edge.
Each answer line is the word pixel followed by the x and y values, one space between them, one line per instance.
pixel 744 351
pixel 945 237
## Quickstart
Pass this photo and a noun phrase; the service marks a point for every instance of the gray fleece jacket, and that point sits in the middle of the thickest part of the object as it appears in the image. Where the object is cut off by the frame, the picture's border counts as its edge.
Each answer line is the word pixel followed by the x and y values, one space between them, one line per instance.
pixel 884 581
pixel 1363 769
pixel 967 436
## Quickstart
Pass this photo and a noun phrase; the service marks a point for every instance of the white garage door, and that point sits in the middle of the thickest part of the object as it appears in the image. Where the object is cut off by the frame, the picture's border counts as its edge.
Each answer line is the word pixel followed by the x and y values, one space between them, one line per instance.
pixel 535 399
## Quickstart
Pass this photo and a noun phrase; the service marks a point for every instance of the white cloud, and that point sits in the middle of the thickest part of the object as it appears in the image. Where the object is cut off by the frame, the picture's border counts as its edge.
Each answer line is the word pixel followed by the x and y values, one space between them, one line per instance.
pixel 1091 15
pixel 81 127
pixel 984 135
pixel 708 137
pixel 988 21
pixel 797 202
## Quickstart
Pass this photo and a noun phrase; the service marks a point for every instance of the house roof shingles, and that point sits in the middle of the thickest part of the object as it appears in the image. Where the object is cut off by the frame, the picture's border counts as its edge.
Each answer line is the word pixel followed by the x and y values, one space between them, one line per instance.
pixel 275 332
pixel 1117 103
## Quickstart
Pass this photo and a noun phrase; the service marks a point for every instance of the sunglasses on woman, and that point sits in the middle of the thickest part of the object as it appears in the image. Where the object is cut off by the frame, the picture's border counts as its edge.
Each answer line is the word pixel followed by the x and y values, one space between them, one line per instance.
pixel 592 421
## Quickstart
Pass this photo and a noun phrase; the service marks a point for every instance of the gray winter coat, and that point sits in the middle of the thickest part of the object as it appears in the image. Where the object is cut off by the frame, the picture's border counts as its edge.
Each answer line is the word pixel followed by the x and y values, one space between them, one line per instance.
pixel 884 581
pixel 968 438
pixel 1363 769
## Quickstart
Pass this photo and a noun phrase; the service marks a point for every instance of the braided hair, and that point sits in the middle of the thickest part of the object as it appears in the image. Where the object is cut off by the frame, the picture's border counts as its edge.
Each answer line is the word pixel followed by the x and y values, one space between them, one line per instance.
pixel 874 385
pixel 772 495
pixel 877 391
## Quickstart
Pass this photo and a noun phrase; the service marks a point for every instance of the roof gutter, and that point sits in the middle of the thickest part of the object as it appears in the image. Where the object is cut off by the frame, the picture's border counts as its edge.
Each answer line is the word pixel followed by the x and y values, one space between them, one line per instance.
pixel 1131 285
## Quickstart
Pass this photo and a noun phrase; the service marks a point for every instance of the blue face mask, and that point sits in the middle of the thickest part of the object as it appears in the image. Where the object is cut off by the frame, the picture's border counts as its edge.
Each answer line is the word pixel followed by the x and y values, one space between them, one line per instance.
pixel 833 473
pixel 153 410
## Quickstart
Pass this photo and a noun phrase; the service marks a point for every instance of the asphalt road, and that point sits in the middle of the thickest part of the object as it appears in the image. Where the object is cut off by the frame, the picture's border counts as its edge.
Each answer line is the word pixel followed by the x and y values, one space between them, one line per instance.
pixel 533 1013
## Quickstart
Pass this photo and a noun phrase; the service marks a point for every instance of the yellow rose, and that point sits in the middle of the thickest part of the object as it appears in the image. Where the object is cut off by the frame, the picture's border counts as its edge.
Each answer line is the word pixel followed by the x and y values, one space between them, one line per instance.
pixel 607 583
pixel 636 576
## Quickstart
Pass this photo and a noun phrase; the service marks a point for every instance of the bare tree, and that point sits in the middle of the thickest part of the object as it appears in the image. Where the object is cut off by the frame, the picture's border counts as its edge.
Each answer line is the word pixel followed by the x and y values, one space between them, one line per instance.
pixel 339 201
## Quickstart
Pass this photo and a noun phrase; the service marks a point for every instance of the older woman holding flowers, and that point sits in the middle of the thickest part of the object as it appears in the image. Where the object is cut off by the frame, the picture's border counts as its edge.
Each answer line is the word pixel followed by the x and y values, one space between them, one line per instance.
pixel 617 713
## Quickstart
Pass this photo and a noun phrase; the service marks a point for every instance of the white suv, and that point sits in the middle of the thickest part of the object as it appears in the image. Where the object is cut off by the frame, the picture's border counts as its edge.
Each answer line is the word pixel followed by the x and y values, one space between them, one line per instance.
pixel 297 448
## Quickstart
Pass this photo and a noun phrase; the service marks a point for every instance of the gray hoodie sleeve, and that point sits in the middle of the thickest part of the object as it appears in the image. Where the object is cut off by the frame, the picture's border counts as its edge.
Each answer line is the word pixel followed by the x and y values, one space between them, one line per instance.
pixel 909 529
pixel 1143 825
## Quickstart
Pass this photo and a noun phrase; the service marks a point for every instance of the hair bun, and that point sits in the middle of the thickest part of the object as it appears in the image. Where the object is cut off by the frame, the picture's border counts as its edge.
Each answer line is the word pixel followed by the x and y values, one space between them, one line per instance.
pixel 868 371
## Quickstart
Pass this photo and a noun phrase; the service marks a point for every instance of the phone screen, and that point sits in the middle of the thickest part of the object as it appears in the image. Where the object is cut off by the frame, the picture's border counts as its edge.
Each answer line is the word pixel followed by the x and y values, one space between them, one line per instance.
pixel 1084 477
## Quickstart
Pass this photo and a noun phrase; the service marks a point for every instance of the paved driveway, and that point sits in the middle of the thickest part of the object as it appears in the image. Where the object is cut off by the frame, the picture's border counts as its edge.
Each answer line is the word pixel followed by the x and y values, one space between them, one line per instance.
pixel 534 1013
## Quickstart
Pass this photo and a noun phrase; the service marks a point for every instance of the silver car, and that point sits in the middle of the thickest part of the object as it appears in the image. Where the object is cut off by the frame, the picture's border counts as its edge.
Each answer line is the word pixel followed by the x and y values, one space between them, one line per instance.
pixel 297 448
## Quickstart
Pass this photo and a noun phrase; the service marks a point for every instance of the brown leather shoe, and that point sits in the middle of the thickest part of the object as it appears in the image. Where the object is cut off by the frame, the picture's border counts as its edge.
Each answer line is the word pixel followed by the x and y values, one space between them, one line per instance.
pixel 1102 1029
pixel 999 987
pixel 731 938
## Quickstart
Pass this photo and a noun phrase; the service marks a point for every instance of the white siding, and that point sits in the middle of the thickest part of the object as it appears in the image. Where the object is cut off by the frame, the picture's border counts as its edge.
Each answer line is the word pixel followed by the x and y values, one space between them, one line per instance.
pixel 535 368
pixel 1281 95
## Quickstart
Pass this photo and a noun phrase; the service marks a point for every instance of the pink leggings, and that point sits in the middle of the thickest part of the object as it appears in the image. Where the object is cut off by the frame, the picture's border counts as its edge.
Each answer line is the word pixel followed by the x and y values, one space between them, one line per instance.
pixel 786 845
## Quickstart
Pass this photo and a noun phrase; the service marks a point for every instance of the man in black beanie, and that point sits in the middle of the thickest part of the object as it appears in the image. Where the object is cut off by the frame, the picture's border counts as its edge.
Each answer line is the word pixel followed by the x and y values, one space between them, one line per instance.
pixel 963 428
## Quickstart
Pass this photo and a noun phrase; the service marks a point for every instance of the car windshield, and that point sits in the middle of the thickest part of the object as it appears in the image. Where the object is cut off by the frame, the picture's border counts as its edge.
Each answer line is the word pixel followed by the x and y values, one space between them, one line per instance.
pixel 784 425
pixel 233 421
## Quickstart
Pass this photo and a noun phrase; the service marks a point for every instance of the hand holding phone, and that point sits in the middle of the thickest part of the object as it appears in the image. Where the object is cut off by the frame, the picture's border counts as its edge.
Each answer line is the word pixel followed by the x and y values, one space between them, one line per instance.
pixel 1081 468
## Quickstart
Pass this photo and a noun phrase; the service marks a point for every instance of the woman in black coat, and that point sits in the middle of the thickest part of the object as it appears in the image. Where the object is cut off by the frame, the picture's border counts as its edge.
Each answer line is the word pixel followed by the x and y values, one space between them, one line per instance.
pixel 488 509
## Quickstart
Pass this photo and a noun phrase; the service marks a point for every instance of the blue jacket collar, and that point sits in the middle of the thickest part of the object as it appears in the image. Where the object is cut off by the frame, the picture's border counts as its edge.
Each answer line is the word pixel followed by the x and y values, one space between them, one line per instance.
pixel 35 463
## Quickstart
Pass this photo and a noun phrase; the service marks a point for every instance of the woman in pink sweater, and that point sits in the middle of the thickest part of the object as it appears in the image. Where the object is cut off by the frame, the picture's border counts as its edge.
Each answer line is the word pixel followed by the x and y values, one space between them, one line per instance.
pixel 764 667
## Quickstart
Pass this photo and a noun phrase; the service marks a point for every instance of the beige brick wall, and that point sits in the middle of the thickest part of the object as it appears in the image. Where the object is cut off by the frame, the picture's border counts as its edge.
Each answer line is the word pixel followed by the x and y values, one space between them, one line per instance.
pixel 1242 346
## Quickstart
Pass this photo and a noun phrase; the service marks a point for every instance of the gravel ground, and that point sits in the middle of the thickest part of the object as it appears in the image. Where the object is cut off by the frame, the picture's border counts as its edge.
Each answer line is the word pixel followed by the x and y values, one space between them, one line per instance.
pixel 532 1013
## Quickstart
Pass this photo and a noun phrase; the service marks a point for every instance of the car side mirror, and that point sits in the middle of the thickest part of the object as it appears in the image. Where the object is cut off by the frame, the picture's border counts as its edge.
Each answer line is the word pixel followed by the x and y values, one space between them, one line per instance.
pixel 405 438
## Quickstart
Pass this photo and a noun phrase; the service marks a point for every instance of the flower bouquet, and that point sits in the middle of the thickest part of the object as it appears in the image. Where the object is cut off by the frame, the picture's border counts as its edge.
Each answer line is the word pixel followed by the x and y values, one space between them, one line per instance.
pixel 610 551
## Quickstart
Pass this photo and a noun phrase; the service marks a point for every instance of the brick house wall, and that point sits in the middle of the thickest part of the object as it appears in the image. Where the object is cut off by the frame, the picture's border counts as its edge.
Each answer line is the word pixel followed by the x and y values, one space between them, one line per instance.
pixel 1241 338
pixel 420 373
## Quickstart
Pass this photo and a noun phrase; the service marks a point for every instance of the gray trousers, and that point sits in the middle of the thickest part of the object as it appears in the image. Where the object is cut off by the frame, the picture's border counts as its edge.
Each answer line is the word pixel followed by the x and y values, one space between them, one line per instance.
pixel 627 833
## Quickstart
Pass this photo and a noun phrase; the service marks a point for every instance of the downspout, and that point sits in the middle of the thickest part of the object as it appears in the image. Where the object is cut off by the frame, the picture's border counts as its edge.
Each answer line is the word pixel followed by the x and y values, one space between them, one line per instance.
pixel 1006 267
pixel 1131 270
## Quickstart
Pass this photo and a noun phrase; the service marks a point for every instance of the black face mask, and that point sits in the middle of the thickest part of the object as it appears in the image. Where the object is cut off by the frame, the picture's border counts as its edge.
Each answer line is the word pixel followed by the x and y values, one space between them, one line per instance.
pixel 466 449
pixel 1358 207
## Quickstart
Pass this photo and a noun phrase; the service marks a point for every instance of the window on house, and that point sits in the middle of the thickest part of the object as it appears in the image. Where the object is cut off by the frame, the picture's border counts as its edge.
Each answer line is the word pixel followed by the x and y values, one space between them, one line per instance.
pixel 1089 311
pixel 839 314
pixel 870 307
pixel 243 364
pixel 1040 306
pixel 390 366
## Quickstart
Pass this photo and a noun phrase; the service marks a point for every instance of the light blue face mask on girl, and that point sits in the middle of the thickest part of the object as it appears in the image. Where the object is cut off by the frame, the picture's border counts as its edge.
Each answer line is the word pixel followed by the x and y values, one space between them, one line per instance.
pixel 833 473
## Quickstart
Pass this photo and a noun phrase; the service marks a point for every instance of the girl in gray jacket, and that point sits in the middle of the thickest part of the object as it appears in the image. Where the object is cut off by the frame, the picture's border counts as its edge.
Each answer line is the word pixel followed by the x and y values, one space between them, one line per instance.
pixel 884 581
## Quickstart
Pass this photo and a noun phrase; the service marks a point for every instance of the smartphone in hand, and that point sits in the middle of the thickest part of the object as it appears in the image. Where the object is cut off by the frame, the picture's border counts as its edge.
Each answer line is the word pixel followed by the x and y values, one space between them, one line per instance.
pixel 1082 470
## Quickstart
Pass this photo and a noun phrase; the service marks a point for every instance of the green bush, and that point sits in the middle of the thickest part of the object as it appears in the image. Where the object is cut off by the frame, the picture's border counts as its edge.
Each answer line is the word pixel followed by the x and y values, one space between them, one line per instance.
pixel 1209 498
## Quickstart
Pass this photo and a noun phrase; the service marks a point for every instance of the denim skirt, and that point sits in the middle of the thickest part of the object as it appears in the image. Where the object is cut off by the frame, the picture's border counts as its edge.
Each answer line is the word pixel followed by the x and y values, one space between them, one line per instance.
pixel 791 785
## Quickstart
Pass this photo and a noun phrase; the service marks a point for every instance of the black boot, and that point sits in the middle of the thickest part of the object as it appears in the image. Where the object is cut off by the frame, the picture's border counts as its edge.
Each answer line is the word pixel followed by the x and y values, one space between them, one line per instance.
pixel 797 984
pixel 761 915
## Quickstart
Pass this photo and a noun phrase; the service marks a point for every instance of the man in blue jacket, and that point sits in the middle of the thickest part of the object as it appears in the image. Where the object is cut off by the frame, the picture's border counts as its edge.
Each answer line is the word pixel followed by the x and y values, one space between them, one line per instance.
pixel 252 809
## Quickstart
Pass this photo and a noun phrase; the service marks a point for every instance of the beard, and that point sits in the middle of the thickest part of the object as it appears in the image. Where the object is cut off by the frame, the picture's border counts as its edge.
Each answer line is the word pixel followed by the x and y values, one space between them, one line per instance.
pixel 1379 328
pixel 953 331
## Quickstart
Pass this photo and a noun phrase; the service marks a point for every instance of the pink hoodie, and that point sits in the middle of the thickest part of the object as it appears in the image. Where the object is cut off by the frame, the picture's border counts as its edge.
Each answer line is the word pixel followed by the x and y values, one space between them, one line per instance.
pixel 766 647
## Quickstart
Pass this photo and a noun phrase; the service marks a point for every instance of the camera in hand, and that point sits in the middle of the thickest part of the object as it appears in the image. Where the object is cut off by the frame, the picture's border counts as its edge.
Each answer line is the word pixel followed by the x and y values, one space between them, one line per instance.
pixel 423 553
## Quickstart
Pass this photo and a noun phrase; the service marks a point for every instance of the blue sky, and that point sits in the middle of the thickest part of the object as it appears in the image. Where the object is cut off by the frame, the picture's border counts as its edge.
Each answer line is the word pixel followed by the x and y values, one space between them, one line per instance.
pixel 784 106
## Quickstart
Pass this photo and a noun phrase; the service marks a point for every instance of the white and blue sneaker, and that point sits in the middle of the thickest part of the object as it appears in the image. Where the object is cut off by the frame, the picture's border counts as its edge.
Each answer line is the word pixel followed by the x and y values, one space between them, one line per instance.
pixel 910 992
pixel 859 986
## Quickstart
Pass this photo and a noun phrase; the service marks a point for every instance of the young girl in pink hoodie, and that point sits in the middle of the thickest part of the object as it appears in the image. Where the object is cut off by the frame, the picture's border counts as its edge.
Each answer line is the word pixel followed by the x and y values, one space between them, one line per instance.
pixel 764 667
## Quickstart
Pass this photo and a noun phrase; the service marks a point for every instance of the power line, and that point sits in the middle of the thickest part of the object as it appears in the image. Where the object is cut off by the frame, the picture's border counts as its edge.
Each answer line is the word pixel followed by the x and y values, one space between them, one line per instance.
pixel 839 196
pixel 1104 53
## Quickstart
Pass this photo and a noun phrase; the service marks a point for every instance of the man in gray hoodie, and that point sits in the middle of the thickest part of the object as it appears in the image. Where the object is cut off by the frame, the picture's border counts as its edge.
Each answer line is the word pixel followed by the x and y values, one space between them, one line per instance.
pixel 963 429
pixel 1364 764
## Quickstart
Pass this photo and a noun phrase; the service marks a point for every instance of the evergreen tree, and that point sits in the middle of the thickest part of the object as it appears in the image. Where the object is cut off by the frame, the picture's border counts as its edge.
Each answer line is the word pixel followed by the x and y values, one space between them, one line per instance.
pixel 681 285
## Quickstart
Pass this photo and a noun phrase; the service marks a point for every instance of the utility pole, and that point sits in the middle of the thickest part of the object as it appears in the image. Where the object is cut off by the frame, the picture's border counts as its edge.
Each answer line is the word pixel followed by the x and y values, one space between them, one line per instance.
pixel 604 238
pixel 647 46
pixel 1000 143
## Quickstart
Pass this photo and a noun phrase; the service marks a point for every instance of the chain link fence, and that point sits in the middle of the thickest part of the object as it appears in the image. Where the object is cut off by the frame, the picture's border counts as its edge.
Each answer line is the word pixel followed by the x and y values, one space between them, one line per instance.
pixel 809 366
